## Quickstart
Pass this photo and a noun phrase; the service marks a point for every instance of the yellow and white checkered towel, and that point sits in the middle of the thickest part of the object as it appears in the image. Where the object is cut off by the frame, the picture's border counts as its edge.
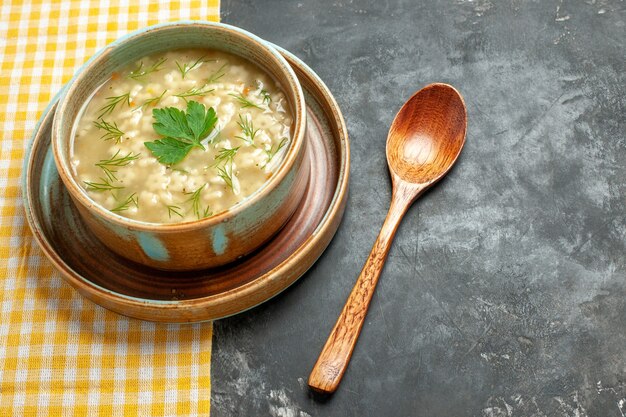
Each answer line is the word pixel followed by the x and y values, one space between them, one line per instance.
pixel 61 355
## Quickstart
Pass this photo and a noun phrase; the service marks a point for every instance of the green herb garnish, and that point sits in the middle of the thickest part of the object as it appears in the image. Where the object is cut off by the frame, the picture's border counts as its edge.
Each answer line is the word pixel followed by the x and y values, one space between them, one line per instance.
pixel 175 210
pixel 104 185
pixel 266 97
pixel 169 150
pixel 245 103
pixel 217 74
pixel 112 103
pixel 193 92
pixel 226 155
pixel 248 130
pixel 153 101
pixel 125 205
pixel 185 68
pixel 140 71
pixel 111 130
pixel 271 153
pixel 182 131
pixel 227 176
pixel 107 165
pixel 195 203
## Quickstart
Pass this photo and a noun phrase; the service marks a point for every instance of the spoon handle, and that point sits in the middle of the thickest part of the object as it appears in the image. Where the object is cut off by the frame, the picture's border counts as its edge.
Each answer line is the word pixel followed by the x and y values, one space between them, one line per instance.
pixel 336 353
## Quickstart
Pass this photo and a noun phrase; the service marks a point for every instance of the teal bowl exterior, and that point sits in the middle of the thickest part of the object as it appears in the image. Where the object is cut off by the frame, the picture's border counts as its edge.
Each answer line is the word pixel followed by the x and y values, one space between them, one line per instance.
pixel 223 237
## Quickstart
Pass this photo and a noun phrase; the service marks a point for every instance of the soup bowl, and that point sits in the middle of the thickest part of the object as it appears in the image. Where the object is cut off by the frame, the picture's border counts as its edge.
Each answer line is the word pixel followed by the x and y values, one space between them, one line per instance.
pixel 222 237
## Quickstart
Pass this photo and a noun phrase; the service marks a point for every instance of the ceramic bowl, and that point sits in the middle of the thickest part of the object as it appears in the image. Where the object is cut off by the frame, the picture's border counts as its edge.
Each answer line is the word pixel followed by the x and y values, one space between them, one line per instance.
pixel 215 240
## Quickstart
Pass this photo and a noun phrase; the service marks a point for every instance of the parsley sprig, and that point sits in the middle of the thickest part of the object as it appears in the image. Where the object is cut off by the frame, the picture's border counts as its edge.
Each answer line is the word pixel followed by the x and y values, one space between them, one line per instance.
pixel 181 131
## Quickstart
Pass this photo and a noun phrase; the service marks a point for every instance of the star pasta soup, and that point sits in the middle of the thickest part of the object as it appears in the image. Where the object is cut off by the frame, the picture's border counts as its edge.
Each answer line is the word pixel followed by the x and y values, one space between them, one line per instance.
pixel 180 136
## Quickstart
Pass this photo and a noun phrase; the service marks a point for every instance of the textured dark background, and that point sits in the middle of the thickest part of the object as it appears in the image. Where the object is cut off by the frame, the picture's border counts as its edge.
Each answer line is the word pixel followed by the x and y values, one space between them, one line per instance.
pixel 505 291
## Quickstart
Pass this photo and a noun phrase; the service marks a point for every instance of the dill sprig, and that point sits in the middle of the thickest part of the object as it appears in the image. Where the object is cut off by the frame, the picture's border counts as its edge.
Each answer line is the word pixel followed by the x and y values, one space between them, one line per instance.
pixel 226 155
pixel 271 153
pixel 104 185
pixel 193 92
pixel 174 210
pixel 195 202
pixel 227 176
pixel 224 161
pixel 152 101
pixel 107 165
pixel 125 205
pixel 248 130
pixel 217 74
pixel 185 68
pixel 245 103
pixel 265 96
pixel 112 103
pixel 141 72
pixel 111 130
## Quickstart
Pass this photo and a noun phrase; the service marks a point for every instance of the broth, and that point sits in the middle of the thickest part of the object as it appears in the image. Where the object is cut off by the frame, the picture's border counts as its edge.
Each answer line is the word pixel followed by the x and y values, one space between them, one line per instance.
pixel 129 165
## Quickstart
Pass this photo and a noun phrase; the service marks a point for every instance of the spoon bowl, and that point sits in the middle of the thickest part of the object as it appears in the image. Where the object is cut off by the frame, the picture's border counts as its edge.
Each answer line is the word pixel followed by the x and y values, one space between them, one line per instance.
pixel 427 135
pixel 424 142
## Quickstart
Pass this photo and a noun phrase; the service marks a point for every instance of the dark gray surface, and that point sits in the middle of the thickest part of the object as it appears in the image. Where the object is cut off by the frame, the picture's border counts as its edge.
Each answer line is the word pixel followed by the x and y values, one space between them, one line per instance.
pixel 505 291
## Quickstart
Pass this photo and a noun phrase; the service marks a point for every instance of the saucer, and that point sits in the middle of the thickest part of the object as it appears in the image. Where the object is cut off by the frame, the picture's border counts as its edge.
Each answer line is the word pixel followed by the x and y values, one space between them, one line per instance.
pixel 145 293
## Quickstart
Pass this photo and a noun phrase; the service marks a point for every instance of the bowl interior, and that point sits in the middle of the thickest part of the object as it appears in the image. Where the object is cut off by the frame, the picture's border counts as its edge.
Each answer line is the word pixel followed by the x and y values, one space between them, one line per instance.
pixel 162 38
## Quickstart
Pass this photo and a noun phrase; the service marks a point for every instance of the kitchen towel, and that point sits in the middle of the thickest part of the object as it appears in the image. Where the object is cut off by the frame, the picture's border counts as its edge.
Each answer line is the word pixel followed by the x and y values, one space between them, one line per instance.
pixel 60 354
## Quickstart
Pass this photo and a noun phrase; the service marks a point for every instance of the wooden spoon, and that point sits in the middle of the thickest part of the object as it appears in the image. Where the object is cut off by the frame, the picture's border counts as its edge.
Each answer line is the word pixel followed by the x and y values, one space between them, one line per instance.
pixel 424 141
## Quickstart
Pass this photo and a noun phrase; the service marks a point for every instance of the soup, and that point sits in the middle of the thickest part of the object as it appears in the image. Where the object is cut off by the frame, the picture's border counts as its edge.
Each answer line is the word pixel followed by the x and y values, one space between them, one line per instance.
pixel 180 136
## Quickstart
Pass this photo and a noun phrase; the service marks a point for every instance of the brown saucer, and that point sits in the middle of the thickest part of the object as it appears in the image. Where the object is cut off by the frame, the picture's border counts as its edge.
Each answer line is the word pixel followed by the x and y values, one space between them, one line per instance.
pixel 149 294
